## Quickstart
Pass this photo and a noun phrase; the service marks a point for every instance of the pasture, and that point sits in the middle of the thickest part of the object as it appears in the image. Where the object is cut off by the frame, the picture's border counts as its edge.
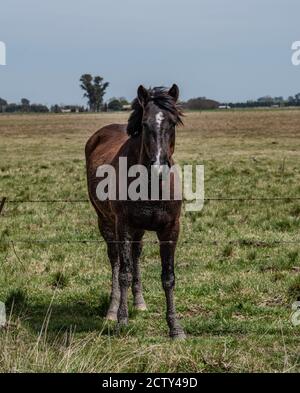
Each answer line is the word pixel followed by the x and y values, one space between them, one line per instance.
pixel 237 261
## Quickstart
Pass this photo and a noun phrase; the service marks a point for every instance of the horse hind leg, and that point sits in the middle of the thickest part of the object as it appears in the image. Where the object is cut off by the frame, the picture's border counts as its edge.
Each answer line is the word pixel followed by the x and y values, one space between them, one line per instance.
pixel 113 254
pixel 137 290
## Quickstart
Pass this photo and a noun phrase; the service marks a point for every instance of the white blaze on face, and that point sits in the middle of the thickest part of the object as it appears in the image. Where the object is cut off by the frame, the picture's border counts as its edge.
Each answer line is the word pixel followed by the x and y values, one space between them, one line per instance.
pixel 159 117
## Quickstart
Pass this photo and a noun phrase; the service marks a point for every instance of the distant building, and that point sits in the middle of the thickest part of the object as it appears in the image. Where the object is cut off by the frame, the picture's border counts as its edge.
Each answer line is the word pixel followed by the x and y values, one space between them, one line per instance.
pixel 224 107
pixel 67 109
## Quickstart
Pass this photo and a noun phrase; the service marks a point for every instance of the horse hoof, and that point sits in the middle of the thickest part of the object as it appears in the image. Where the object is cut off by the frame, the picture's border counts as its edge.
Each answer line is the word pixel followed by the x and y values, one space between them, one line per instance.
pixel 178 335
pixel 140 307
pixel 123 322
pixel 111 316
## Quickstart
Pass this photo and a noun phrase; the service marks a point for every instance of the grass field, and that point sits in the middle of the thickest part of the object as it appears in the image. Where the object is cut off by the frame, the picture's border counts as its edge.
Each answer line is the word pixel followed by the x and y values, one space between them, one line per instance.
pixel 235 282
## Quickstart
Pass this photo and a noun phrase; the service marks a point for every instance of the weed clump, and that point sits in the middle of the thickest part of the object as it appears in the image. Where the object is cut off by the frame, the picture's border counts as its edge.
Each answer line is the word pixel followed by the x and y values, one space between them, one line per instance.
pixel 294 289
pixel 16 298
pixel 59 280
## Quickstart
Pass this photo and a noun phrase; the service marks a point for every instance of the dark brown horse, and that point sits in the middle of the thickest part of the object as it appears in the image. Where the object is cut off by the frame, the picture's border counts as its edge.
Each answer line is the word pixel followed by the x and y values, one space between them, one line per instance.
pixel 149 140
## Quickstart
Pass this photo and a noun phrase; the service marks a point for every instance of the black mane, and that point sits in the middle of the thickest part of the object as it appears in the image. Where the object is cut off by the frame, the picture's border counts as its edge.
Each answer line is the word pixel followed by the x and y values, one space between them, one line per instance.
pixel 160 97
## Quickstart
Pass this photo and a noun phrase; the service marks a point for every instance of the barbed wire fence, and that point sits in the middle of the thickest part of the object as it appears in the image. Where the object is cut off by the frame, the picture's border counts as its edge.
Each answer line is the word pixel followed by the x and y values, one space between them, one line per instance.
pixel 238 242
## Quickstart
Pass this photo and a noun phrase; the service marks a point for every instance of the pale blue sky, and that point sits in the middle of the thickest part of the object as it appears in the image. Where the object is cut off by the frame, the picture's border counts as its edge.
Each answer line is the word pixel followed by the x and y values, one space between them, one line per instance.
pixel 229 50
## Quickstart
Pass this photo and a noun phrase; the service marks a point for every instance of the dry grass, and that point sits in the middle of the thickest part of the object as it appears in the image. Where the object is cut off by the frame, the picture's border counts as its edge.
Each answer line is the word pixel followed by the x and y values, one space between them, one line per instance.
pixel 234 299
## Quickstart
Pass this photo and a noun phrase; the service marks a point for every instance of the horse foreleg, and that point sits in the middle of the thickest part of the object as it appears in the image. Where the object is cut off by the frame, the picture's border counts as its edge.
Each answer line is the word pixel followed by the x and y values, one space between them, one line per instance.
pixel 125 273
pixel 168 238
pixel 137 290
pixel 113 254
pixel 108 232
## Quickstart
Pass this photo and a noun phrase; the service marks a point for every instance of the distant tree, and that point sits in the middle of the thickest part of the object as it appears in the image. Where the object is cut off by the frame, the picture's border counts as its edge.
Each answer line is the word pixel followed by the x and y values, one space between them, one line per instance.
pixel 39 108
pixel 115 104
pixel 201 103
pixel 3 105
pixel 25 105
pixel 278 100
pixel 55 108
pixel 12 107
pixel 124 101
pixel 87 85
pixel 94 89
pixel 99 88
pixel 25 102
pixel 266 100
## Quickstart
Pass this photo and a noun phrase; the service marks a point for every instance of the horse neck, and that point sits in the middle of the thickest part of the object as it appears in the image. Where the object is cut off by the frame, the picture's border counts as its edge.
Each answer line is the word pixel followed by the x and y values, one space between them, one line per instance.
pixel 137 154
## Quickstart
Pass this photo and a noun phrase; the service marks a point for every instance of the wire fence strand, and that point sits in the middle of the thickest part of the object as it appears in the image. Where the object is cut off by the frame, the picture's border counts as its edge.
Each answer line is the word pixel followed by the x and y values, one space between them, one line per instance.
pixel 239 199
pixel 240 242
pixel 237 242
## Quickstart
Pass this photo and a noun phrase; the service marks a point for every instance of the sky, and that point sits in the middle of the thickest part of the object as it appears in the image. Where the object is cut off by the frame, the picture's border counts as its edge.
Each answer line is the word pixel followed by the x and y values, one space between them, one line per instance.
pixel 228 50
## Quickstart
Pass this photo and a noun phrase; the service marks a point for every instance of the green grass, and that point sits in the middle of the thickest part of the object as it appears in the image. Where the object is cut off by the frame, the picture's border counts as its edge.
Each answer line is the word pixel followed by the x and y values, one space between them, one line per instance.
pixel 235 283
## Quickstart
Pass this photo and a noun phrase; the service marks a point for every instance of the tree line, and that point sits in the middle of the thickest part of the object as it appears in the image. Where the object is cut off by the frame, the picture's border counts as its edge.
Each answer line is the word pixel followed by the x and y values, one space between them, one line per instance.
pixel 94 89
pixel 268 102
pixel 203 103
pixel 23 106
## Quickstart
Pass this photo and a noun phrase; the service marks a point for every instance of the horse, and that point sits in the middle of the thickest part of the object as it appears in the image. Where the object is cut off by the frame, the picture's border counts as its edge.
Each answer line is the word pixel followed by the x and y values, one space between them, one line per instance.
pixel 148 139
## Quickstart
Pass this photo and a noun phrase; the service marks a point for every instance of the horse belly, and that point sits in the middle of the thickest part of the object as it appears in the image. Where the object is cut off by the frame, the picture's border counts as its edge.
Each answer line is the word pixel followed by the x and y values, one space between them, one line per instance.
pixel 146 217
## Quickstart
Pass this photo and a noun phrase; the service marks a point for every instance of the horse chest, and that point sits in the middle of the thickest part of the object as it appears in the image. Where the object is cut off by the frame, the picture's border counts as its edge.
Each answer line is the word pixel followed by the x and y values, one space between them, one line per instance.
pixel 148 217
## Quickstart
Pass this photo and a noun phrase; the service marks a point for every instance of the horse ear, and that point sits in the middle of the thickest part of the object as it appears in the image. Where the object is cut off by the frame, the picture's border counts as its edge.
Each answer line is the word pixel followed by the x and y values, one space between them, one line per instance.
pixel 143 95
pixel 174 92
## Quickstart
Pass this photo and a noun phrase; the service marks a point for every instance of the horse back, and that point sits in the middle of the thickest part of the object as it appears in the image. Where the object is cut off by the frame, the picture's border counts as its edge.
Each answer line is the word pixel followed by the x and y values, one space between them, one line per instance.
pixel 104 144
pixel 101 148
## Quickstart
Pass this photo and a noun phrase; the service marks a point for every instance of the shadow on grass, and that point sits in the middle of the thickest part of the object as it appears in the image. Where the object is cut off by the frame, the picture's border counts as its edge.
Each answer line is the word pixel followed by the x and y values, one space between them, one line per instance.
pixel 81 315
pixel 74 314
